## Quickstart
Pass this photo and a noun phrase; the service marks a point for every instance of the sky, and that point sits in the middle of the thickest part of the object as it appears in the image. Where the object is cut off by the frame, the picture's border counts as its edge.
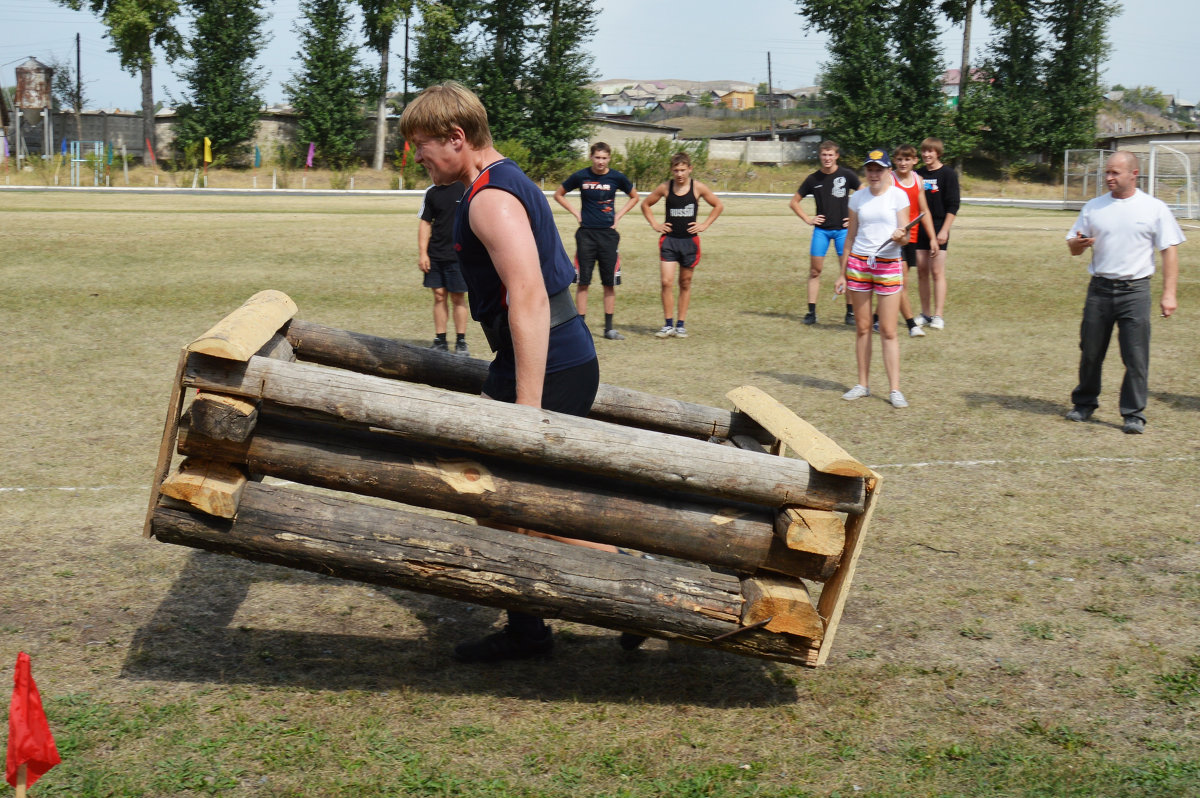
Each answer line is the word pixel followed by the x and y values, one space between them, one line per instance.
pixel 635 39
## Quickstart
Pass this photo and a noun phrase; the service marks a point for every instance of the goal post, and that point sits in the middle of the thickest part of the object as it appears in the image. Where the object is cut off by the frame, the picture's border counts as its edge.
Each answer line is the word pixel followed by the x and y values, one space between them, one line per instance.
pixel 1173 175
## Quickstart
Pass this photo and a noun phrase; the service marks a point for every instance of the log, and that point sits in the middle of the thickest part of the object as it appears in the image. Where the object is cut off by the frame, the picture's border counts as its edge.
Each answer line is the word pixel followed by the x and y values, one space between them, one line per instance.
pixel 588 508
pixel 809 443
pixel 385 357
pixel 222 417
pixel 244 332
pixel 785 602
pixel 817 532
pixel 211 487
pixel 386 546
pixel 528 435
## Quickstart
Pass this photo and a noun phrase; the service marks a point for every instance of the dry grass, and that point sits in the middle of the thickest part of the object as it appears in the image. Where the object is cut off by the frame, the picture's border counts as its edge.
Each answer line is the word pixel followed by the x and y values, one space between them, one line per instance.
pixel 1022 624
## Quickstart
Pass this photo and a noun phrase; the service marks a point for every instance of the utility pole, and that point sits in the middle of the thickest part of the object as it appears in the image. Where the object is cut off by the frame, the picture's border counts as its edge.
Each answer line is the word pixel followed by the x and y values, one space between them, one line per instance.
pixel 78 93
pixel 404 97
pixel 770 97
pixel 966 55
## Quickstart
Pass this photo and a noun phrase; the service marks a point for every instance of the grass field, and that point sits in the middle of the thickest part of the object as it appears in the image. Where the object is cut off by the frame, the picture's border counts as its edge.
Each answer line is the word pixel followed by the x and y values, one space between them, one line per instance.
pixel 1023 622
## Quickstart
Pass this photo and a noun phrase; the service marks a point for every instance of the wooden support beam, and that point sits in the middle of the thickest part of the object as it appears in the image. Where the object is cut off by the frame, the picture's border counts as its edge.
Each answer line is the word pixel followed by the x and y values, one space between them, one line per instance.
pixel 244 332
pixel 837 589
pixel 166 447
pixel 785 602
pixel 386 546
pixel 385 357
pixel 211 487
pixel 571 505
pixel 528 435
pixel 809 443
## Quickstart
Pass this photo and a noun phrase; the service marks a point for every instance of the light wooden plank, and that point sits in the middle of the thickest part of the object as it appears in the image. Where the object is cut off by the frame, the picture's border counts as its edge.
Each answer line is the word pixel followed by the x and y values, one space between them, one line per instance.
pixel 809 443
pixel 245 331
pixel 833 596
pixel 211 487
pixel 816 531
pixel 786 602
pixel 166 449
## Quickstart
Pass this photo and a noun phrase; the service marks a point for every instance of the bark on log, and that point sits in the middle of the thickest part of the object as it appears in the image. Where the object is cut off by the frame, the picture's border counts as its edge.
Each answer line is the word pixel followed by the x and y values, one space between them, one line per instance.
pixel 385 357
pixel 211 487
pixel 342 458
pixel 244 332
pixel 528 435
pixel 221 417
pixel 385 546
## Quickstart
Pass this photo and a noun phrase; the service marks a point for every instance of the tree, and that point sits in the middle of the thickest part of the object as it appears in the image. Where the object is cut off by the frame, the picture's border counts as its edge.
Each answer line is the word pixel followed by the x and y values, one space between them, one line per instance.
pixel 67 92
pixel 919 69
pixel 558 101
pixel 443 52
pixel 379 25
pixel 223 99
pixel 1077 29
pixel 331 87
pixel 500 66
pixel 1011 99
pixel 135 28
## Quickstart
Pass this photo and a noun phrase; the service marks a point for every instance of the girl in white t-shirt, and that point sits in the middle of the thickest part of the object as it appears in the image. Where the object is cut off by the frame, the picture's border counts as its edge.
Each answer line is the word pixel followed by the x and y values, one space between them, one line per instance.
pixel 876 231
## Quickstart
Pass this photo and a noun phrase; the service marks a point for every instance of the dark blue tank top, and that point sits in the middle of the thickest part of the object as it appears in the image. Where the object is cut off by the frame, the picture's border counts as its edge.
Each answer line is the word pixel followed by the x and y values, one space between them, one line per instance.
pixel 570 343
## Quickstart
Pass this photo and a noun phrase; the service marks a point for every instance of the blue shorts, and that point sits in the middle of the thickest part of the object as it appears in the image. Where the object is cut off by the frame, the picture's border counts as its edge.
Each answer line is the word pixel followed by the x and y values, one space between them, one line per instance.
pixel 822 237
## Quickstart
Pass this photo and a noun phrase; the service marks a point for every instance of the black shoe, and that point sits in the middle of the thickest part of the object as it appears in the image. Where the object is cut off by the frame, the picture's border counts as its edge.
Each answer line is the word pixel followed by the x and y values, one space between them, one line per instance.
pixel 1080 413
pixel 460 348
pixel 631 642
pixel 500 646
pixel 1133 426
pixel 439 345
pixel 810 318
pixel 850 318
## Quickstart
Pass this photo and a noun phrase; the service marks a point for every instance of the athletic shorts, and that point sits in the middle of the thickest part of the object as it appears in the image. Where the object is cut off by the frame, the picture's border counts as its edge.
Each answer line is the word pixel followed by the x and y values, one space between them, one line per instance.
pixel 597 245
pixel 923 240
pixel 446 274
pixel 684 251
pixel 908 253
pixel 883 276
pixel 822 237
pixel 569 391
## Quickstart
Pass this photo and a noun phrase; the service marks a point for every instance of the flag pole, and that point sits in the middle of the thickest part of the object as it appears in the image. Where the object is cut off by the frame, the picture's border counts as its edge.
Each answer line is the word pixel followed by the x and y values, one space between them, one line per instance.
pixel 21 779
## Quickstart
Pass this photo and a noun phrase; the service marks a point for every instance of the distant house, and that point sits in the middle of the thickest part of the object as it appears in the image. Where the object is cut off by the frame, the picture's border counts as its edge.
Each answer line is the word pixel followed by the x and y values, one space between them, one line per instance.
pixel 779 100
pixel 737 100
pixel 617 132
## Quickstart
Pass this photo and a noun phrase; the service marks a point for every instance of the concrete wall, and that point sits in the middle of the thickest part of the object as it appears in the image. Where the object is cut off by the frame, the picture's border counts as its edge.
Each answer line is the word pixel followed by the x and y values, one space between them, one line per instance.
pixel 764 151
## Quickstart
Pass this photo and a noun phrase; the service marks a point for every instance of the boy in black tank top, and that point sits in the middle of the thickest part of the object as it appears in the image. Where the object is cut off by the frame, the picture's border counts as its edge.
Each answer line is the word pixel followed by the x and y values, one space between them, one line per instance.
pixel 679 246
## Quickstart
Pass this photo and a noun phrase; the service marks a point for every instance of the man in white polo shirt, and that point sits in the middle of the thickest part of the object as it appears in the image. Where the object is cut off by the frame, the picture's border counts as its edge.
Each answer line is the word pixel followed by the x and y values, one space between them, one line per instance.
pixel 1123 228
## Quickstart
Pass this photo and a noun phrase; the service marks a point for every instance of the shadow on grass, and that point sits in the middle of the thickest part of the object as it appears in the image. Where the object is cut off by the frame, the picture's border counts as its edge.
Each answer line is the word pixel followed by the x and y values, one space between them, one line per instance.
pixel 807 381
pixel 1025 404
pixel 192 636
pixel 1178 400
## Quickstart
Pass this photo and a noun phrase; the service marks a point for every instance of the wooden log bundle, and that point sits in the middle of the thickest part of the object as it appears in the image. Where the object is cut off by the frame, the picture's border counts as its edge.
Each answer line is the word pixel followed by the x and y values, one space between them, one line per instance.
pixel 743 528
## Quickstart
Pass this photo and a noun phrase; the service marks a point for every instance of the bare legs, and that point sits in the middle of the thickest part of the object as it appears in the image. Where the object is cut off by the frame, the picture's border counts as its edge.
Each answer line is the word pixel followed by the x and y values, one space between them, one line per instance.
pixel 887 307
pixel 441 312
pixel 667 273
pixel 933 291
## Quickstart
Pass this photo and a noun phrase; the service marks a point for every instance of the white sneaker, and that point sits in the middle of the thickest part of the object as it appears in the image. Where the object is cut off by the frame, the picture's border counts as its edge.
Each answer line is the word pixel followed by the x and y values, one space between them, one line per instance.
pixel 897 399
pixel 921 319
pixel 915 332
pixel 666 332
pixel 857 392
pixel 936 323
pixel 680 331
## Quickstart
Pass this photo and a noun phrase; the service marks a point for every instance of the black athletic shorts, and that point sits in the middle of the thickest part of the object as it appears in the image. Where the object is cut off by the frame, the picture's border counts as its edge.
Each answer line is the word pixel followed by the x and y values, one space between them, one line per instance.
pixel 684 251
pixel 569 391
pixel 923 240
pixel 597 245
pixel 445 274
pixel 909 253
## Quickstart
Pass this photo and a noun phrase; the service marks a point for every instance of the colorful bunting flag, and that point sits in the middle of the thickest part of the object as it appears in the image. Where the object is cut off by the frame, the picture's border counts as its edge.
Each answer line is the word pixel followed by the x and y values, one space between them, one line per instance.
pixel 108 160
pixel 404 155
pixel 207 150
pixel 30 742
pixel 150 149
pixel 64 145
pixel 312 150
pixel 257 157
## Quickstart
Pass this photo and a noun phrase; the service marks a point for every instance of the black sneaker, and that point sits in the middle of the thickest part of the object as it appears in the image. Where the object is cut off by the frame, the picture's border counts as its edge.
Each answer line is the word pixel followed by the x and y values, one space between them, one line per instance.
pixel 810 317
pixel 1133 426
pixel 460 348
pixel 631 642
pixel 439 345
pixel 850 318
pixel 1079 413
pixel 504 645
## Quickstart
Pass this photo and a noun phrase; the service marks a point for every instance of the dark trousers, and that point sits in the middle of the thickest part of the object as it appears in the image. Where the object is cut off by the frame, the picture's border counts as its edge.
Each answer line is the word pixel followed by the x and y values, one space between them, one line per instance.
pixel 1125 303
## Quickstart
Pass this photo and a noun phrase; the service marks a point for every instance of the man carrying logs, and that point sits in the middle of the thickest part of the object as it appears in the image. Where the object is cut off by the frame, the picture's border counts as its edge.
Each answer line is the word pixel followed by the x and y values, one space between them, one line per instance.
pixel 518 275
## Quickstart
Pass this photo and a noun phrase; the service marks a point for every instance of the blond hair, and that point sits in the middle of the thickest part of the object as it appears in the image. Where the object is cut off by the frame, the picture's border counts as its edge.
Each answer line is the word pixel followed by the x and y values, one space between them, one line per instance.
pixel 442 107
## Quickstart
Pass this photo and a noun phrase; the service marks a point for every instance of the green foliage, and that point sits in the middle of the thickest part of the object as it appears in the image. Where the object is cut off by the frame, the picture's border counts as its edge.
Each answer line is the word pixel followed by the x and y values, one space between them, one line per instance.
pixel 442 51
pixel 647 162
pixel 1183 687
pixel 331 86
pixel 500 66
pixel 558 102
pixel 518 152
pixel 222 101
pixel 63 87
pixel 1142 95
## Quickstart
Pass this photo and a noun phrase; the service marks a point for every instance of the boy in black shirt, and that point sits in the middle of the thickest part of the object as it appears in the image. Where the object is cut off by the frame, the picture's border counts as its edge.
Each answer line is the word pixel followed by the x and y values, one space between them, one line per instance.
pixel 437 259
pixel 942 194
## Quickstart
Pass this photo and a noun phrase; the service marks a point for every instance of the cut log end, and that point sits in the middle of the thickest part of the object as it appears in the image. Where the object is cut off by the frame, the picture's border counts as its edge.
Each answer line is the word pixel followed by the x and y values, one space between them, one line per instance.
pixel 210 487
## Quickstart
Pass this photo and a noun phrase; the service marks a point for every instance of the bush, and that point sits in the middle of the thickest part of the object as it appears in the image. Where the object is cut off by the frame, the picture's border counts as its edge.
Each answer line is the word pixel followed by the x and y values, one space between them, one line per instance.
pixel 647 162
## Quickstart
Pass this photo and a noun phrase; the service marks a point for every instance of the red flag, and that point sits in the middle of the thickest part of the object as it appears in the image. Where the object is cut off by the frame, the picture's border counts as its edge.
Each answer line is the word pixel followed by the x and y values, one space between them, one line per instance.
pixel 30 742
pixel 404 155
pixel 312 149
